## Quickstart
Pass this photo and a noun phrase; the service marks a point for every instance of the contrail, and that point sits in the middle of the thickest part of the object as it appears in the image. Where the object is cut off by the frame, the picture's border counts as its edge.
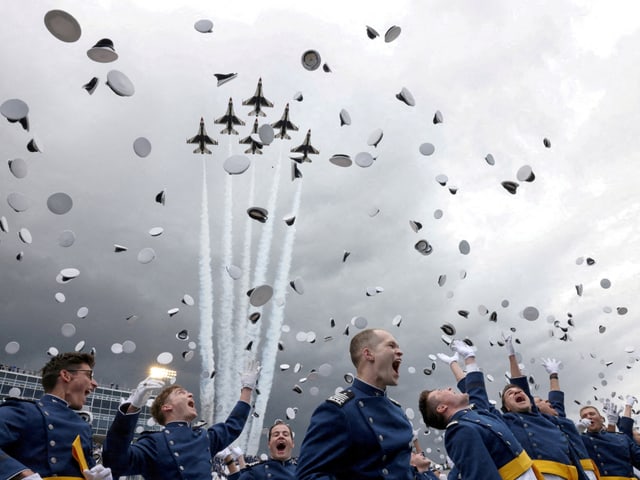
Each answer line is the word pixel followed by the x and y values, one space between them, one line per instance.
pixel 207 389
pixel 272 335
pixel 240 325
pixel 226 380
pixel 259 276
pixel 264 250
pixel 242 305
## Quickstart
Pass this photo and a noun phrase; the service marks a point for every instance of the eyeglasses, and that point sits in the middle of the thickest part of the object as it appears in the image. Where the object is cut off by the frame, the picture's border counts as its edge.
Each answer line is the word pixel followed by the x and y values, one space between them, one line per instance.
pixel 88 372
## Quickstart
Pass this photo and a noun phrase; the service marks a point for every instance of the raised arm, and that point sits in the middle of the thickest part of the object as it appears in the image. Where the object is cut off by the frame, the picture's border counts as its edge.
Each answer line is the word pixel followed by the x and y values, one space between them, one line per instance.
pixel 454 364
pixel 514 367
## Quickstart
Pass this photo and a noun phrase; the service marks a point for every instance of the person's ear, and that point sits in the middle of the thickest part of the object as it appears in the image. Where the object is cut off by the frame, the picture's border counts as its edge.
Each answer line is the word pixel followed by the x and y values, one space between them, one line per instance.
pixel 367 354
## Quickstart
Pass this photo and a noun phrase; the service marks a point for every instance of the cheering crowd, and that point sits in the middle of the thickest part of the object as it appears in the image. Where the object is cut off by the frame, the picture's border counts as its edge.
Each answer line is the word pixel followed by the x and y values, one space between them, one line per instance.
pixel 358 433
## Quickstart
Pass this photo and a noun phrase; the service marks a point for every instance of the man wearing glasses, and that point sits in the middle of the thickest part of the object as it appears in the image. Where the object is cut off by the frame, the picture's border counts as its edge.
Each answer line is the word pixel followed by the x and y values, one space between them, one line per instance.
pixel 280 465
pixel 47 437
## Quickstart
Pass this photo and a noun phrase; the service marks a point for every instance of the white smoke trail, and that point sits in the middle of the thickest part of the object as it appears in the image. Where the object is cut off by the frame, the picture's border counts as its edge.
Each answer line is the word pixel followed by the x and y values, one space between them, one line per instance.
pixel 264 250
pixel 242 305
pixel 259 276
pixel 272 335
pixel 226 380
pixel 207 389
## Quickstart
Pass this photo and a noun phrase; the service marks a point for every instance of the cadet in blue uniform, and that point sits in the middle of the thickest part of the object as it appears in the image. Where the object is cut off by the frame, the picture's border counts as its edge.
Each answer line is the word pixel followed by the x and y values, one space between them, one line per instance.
pixel 476 437
pixel 360 432
pixel 178 451
pixel 615 454
pixel 280 465
pixel 545 443
pixel 553 409
pixel 37 437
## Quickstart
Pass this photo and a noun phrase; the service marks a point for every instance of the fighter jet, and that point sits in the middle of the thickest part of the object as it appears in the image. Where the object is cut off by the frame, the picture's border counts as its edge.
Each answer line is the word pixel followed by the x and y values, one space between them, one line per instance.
pixel 258 101
pixel 229 119
pixel 202 139
pixel 253 141
pixel 284 124
pixel 306 149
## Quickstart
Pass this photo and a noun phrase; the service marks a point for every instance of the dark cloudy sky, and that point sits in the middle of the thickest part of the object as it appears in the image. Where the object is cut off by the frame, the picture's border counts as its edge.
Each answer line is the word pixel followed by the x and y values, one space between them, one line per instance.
pixel 504 75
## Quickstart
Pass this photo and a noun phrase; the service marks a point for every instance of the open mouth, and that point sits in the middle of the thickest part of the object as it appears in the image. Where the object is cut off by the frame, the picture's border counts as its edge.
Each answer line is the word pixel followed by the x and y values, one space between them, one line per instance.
pixel 520 397
pixel 396 366
pixel 191 404
pixel 281 446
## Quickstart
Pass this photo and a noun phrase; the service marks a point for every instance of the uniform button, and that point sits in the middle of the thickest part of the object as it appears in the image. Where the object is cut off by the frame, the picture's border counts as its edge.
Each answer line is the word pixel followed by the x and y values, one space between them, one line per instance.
pixel 52 443
pixel 176 454
pixel 266 467
pixel 181 468
pixel 41 404
pixel 508 442
pixel 268 475
pixel 380 437
pixel 167 432
pixel 50 427
pixel 385 471
pixel 53 460
pixel 525 425
pixel 171 442
pixel 46 413
pixel 360 403
pixel 370 420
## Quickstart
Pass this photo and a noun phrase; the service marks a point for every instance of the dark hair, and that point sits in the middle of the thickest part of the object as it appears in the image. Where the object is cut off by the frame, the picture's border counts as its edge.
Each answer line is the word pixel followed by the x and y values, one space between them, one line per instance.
pixel 156 406
pixel 63 361
pixel 275 424
pixel 428 409
pixel 366 338
pixel 504 390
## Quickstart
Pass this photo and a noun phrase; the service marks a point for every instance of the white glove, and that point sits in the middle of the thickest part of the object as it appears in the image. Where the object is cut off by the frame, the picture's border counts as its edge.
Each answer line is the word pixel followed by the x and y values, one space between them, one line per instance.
pixel 611 411
pixel 237 452
pixel 99 472
pixel 462 349
pixel 143 391
pixel 583 424
pixel 508 343
pixel 249 377
pixel 222 454
pixel 449 359
pixel 630 400
pixel 551 365
pixel 33 476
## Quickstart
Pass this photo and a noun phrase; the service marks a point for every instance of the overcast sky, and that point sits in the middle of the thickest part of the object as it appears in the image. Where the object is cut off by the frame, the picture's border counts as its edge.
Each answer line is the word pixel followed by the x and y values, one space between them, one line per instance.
pixel 504 75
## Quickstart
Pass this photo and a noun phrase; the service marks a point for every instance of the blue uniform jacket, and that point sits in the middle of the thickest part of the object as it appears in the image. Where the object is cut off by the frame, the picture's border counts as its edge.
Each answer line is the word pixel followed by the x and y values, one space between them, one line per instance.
pixel 541 438
pixel 358 433
pixel 615 454
pixel 38 435
pixel 271 469
pixel 578 450
pixel 176 452
pixel 477 439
